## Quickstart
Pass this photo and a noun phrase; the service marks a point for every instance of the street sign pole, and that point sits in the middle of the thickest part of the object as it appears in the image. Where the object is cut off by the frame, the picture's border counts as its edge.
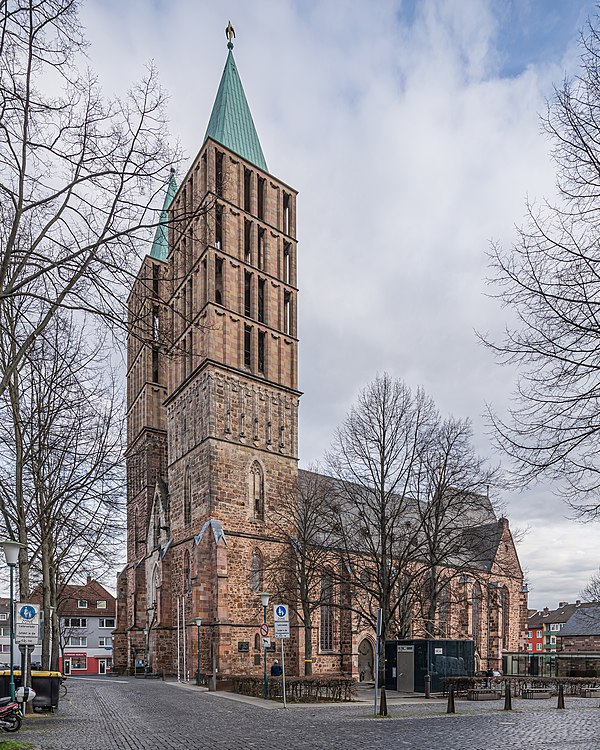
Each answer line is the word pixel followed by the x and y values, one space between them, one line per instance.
pixel 283 673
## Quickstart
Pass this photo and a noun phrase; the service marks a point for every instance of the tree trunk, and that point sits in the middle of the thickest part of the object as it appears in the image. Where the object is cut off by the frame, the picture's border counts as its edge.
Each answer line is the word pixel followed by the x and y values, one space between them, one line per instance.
pixel 308 648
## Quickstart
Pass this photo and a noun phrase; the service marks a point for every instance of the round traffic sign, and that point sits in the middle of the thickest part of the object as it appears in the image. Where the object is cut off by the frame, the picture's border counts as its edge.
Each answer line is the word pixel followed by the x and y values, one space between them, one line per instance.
pixel 27 612
pixel 281 611
pixel 264 629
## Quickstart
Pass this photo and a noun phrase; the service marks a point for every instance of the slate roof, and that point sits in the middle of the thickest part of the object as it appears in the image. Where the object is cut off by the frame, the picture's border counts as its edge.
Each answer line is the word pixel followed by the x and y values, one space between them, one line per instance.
pixel 559 615
pixel 231 122
pixel 585 621
pixel 475 521
pixel 160 245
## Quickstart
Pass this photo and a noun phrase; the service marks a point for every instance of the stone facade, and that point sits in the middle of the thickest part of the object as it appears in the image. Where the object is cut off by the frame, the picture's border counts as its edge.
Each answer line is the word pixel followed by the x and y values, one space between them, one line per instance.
pixel 213 438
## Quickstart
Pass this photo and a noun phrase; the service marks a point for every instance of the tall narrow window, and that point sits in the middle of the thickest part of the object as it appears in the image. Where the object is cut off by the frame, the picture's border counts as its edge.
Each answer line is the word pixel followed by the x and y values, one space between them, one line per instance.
pixel 260 254
pixel 256 566
pixel 187 568
pixel 261 186
pixel 218 172
pixel 219 281
pixel 286 213
pixel 476 616
pixel 257 490
pixel 190 299
pixel 155 279
pixel 505 617
pixel 326 628
pixel 247 241
pixel 204 172
pixel 287 275
pixel 205 281
pixel 247 294
pixel 155 364
pixel 287 319
pixel 155 324
pixel 219 227
pixel 190 353
pixel 261 300
pixel 187 499
pixel 261 351
pixel 248 347
pixel 247 189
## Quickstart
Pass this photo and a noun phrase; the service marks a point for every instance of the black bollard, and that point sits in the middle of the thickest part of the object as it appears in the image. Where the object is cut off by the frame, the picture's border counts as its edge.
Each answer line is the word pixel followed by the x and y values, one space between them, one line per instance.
pixel 561 696
pixel 428 685
pixel 507 696
pixel 382 703
pixel 451 709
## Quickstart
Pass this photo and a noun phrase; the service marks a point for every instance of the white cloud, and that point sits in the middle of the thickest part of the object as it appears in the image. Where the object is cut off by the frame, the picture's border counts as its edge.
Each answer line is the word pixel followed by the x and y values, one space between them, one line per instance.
pixel 410 153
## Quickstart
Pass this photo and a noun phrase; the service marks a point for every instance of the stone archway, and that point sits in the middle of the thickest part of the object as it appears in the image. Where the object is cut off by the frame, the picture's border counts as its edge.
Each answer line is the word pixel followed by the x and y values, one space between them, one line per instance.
pixel 366 661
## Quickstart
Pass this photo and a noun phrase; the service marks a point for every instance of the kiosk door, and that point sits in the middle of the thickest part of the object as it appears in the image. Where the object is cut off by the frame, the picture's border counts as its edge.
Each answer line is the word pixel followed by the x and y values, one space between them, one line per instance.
pixel 406 669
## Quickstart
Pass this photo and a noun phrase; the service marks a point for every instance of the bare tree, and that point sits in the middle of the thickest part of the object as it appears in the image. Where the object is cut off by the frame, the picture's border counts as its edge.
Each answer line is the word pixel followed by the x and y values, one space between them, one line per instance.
pixel 550 280
pixel 78 173
pixel 302 522
pixel 591 592
pixel 375 458
pixel 71 472
pixel 453 514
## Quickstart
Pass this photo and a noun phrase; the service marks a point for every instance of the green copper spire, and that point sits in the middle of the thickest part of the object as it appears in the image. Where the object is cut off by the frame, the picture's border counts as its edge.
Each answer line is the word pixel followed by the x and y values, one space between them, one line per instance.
pixel 160 246
pixel 230 122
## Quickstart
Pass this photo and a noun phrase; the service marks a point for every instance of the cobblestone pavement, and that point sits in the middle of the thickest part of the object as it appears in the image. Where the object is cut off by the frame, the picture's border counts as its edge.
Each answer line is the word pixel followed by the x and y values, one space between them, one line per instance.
pixel 129 714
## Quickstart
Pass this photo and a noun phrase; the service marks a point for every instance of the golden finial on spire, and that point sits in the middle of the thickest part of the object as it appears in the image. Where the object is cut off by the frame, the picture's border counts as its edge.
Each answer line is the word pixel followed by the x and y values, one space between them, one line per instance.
pixel 230 34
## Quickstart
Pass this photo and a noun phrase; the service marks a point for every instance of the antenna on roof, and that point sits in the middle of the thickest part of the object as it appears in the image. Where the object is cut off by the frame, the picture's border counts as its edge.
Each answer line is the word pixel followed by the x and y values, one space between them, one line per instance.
pixel 230 34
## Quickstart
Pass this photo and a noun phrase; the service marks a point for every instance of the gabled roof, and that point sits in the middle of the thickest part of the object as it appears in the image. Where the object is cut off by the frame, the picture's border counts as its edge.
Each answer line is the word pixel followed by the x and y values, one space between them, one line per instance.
pixel 559 615
pixel 160 245
pixel 585 621
pixel 231 123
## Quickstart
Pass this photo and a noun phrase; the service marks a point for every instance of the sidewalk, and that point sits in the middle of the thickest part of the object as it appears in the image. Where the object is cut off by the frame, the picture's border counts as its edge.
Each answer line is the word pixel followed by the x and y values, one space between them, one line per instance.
pixel 364 697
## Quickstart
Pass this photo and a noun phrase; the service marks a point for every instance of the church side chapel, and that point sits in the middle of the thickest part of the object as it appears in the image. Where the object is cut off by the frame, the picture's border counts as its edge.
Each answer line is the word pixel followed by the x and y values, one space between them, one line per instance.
pixel 212 435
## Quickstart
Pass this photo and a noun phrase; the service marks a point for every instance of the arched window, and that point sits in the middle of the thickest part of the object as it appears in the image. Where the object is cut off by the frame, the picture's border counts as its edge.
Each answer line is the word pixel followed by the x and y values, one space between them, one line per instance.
pixel 505 616
pixel 476 615
pixel 187 567
pixel 187 498
pixel 256 571
pixel 257 642
pixel 326 629
pixel 257 490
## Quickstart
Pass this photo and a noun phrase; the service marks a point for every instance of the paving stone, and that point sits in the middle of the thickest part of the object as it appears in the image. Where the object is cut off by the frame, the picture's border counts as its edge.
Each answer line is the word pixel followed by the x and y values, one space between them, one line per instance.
pixel 131 714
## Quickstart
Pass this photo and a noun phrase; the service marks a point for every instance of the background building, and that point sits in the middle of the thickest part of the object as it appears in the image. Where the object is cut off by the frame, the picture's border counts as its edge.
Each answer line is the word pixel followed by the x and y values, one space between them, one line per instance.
pixel 545 626
pixel 87 615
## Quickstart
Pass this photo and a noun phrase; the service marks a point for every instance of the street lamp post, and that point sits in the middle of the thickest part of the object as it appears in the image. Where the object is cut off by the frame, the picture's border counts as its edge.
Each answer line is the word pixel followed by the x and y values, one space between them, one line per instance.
pixel 264 597
pixel 11 553
pixel 198 621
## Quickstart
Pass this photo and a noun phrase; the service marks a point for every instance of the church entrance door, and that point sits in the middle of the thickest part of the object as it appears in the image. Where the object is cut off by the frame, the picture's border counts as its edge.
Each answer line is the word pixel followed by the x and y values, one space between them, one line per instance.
pixel 366 661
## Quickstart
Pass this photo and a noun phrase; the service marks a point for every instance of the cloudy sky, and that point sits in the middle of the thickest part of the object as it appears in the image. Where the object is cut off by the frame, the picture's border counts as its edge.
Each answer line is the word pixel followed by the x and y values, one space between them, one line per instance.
pixel 411 131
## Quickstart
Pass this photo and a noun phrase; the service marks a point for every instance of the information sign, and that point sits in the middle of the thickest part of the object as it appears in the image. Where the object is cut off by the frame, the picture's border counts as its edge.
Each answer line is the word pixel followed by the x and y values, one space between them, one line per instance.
pixel 27 624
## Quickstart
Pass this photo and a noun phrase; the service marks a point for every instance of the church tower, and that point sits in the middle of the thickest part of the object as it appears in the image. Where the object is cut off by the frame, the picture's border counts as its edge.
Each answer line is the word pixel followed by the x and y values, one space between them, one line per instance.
pixel 213 402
